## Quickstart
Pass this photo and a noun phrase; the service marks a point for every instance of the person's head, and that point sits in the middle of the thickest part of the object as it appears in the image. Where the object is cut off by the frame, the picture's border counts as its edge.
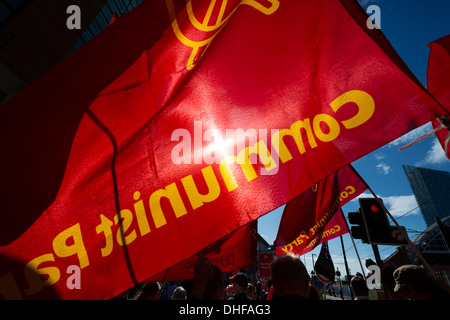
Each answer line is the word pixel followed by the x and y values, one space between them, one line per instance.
pixel 290 277
pixel 150 291
pixel 413 282
pixel 240 283
pixel 359 286
pixel 179 294
pixel 388 282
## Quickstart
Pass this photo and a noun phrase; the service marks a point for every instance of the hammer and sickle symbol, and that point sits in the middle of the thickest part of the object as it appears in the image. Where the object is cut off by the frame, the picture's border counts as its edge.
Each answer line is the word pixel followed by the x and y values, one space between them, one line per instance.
pixel 207 27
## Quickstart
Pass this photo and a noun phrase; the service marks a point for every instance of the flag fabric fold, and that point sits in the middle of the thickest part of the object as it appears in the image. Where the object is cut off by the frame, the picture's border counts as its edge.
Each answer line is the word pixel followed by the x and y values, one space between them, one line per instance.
pixel 115 160
pixel 235 251
pixel 438 83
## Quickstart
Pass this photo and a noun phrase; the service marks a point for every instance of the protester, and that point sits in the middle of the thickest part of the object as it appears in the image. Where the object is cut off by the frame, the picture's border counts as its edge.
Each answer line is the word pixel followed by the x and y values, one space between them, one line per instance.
pixel 388 283
pixel 150 291
pixel 313 293
pixel 265 294
pixel 135 292
pixel 229 292
pixel 167 290
pixel 359 287
pixel 178 294
pixel 414 283
pixel 331 290
pixel 251 292
pixel 258 291
pixel 290 279
pixel 208 281
pixel 240 284
pixel 215 287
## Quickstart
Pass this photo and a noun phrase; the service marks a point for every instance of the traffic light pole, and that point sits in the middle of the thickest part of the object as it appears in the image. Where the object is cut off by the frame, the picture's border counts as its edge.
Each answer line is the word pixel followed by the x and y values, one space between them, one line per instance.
pixel 346 267
pixel 376 253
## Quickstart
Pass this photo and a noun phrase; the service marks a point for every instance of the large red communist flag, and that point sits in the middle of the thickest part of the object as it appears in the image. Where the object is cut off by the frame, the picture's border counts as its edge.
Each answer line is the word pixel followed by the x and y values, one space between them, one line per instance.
pixel 133 154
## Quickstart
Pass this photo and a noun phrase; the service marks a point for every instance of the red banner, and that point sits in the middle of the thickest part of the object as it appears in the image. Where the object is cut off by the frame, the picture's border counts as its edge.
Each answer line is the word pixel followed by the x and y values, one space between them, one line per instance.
pixel 335 227
pixel 234 252
pixel 265 260
pixel 114 162
pixel 438 83
pixel 313 217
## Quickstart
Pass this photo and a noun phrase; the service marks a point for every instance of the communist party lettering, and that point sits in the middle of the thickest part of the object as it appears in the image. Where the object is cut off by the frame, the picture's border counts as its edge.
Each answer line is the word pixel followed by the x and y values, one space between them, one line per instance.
pixel 43 270
pixel 308 239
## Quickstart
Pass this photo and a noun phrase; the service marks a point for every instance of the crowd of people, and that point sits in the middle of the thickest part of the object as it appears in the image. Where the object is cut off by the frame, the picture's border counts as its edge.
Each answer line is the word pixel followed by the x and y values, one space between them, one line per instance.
pixel 290 281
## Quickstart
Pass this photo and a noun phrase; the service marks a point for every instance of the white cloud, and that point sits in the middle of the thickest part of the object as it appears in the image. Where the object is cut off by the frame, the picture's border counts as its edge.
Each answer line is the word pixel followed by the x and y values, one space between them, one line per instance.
pixel 379 156
pixel 435 155
pixel 397 205
pixel 383 168
pixel 411 136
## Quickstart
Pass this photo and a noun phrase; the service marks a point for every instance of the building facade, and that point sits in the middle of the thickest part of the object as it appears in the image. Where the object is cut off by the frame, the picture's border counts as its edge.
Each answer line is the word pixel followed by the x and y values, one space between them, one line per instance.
pixel 432 246
pixel 432 191
pixel 34 36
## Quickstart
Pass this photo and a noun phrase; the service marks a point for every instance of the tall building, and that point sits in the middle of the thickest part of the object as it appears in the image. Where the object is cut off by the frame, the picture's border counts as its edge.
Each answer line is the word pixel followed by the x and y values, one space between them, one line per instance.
pixel 432 191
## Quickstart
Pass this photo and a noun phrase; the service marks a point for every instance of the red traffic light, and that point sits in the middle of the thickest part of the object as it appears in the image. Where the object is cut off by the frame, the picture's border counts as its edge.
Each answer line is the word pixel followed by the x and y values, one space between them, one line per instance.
pixel 374 208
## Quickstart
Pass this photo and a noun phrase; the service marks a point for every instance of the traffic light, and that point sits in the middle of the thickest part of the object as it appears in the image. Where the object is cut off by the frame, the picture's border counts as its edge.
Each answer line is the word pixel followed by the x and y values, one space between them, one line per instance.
pixel 359 231
pixel 372 224
pixel 376 220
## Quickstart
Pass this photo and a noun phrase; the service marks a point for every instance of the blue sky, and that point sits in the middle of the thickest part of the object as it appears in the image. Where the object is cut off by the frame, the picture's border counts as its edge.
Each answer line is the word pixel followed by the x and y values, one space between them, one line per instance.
pixel 409 26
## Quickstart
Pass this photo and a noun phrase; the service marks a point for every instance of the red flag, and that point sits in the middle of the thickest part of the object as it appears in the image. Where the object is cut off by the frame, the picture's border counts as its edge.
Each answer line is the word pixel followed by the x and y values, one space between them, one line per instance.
pixel 438 83
pixel 119 159
pixel 233 252
pixel 334 228
pixel 314 213
pixel 264 273
pixel 113 18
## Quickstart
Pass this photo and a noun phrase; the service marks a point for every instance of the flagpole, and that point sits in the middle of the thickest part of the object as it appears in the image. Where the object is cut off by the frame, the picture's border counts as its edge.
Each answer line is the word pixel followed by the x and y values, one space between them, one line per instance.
pixel 359 259
pixel 404 235
pixel 345 259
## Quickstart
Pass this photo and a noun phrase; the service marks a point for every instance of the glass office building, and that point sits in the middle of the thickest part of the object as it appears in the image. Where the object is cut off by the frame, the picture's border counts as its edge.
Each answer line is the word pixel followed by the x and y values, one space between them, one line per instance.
pixel 432 191
pixel 103 19
pixel 34 36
